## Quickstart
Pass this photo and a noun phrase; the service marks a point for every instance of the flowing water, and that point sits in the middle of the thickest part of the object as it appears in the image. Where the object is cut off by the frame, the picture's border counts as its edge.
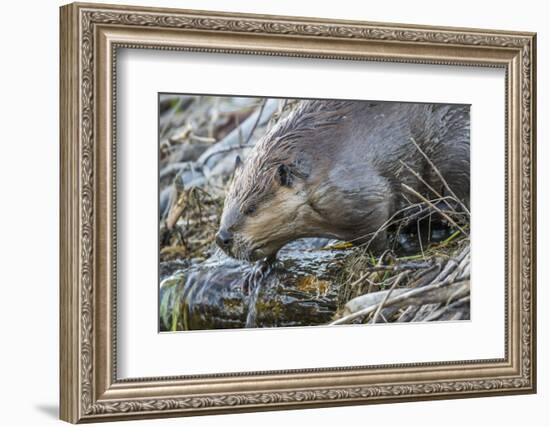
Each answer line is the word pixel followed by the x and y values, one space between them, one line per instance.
pixel 223 293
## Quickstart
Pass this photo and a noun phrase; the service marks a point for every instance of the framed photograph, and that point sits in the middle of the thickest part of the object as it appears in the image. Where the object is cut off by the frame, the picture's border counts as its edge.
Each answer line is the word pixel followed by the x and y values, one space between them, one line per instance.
pixel 267 212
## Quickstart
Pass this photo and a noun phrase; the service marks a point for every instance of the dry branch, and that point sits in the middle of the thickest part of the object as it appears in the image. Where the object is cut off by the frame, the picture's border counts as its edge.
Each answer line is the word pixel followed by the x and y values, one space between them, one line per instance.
pixel 432 294
pixel 434 207
pixel 443 181
pixel 385 300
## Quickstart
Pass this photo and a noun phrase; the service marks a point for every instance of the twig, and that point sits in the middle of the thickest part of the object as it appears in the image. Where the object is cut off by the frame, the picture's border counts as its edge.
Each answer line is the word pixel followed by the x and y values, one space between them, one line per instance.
pixel 404 298
pixel 440 312
pixel 408 314
pixel 423 181
pixel 399 267
pixel 392 220
pixel 199 138
pixel 256 122
pixel 227 150
pixel 393 286
pixel 452 265
pixel 363 277
pixel 419 234
pixel 173 168
pixel 443 214
pixel 443 181
pixel 242 145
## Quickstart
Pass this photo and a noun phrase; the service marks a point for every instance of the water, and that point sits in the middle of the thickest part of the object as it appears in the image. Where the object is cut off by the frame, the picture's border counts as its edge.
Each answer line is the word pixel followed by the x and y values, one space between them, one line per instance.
pixel 254 284
pixel 223 293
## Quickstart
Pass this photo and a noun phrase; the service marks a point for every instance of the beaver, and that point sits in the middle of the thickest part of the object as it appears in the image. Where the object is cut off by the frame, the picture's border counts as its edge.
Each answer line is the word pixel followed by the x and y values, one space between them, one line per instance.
pixel 335 169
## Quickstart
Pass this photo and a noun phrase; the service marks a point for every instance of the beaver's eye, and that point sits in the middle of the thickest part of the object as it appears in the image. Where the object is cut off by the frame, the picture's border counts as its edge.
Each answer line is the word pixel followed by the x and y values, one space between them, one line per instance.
pixel 250 210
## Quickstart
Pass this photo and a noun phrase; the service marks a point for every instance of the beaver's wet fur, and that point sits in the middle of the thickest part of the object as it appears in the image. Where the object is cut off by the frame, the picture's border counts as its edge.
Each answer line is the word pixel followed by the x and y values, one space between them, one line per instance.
pixel 335 169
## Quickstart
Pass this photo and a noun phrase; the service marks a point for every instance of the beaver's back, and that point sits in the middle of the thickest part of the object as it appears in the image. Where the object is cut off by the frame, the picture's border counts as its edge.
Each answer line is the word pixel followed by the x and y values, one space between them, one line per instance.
pixel 396 133
pixel 361 163
pixel 379 138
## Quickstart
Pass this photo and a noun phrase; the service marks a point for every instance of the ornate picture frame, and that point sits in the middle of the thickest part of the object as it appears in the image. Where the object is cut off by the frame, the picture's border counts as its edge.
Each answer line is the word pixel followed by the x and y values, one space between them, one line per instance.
pixel 90 37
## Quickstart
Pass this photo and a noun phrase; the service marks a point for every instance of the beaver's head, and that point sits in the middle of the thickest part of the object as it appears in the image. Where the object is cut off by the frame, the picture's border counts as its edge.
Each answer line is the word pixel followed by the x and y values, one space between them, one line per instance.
pixel 264 204
pixel 271 198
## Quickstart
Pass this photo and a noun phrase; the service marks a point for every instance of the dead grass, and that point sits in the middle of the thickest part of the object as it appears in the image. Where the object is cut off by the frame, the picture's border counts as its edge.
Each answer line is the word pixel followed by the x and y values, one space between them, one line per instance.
pixel 363 273
pixel 191 225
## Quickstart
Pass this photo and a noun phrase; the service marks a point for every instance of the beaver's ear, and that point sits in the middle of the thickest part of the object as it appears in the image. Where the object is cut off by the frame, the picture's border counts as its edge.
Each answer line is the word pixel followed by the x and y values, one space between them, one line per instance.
pixel 238 162
pixel 284 175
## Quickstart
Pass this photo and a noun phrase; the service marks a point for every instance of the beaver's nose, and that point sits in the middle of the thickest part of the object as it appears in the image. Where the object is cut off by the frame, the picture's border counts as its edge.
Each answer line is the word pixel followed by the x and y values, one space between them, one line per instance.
pixel 224 239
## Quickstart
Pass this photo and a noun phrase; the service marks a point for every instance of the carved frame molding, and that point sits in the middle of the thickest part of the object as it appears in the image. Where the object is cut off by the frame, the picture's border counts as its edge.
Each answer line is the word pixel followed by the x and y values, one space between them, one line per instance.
pixel 90 37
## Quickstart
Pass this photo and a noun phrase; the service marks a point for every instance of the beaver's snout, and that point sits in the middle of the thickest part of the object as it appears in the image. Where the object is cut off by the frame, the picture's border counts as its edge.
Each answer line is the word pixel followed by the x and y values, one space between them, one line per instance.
pixel 224 239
